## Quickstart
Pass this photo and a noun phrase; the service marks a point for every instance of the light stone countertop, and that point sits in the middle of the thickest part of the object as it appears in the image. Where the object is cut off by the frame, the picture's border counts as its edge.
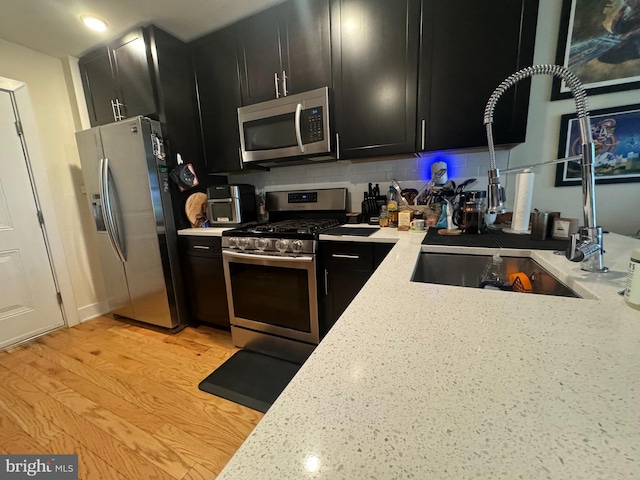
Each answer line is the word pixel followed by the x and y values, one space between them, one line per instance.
pixel 429 381
pixel 204 232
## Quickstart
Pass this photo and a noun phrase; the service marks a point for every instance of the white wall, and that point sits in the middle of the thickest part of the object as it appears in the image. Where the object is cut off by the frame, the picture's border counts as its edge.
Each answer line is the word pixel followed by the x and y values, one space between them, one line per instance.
pixel 45 80
pixel 618 205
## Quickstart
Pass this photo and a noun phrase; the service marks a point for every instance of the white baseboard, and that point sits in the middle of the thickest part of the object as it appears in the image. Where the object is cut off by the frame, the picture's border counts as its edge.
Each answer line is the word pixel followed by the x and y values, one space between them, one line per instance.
pixel 91 311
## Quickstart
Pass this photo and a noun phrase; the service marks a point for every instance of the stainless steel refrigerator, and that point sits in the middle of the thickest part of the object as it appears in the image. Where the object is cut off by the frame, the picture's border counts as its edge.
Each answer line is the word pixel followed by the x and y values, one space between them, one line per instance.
pixel 127 187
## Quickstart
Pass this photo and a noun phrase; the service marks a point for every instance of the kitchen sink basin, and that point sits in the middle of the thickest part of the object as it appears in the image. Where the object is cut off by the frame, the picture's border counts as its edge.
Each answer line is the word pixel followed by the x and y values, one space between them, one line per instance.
pixel 465 270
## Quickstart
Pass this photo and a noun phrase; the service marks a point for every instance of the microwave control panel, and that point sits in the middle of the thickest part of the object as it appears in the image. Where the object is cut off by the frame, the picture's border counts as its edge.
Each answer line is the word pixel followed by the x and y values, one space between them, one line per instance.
pixel 312 125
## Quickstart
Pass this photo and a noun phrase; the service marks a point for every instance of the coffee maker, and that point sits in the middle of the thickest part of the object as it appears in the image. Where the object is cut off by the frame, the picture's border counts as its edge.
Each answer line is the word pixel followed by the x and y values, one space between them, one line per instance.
pixel 469 214
pixel 231 204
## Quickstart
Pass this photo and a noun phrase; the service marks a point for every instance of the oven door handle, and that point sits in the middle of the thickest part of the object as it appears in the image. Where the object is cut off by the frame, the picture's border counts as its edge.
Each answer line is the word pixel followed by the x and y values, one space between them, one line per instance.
pixel 273 258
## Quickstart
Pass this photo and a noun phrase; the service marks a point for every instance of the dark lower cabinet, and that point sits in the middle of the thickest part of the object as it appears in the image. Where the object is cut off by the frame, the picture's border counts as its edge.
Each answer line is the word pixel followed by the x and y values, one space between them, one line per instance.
pixel 375 63
pixel 204 280
pixel 344 269
pixel 467 48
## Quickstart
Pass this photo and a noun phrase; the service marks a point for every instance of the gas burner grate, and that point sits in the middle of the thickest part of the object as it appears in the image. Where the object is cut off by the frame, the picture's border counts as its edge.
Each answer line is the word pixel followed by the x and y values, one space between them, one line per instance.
pixel 303 226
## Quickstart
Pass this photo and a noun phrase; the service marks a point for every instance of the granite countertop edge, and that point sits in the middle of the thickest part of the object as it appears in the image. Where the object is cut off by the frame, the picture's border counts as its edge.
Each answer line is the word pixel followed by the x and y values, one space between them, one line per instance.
pixel 432 381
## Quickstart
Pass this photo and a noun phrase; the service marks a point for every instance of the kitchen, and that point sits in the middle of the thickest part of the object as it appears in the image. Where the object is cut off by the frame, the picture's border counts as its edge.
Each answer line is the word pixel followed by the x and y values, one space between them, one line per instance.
pixel 46 80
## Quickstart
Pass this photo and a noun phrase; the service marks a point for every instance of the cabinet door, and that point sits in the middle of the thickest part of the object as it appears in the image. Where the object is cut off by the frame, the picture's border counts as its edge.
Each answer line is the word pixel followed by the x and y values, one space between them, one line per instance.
pixel 204 279
pixel 347 267
pixel 259 55
pixel 218 85
pixel 375 62
pixel 99 86
pixel 305 45
pixel 131 68
pixel 468 48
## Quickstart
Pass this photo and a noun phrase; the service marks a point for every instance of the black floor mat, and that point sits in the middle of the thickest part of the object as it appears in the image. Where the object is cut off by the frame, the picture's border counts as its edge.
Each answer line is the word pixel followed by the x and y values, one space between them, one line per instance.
pixel 250 379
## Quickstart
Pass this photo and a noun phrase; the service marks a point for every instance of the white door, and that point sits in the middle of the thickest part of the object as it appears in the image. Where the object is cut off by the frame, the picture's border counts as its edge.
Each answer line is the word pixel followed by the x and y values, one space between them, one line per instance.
pixel 28 295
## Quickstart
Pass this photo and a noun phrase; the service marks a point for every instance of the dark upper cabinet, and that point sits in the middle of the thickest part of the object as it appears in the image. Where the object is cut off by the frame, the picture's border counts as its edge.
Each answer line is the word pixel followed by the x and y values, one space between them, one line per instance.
pixel 117 80
pixel 307 37
pixel 467 48
pixel 99 87
pixel 284 50
pixel 218 90
pixel 375 68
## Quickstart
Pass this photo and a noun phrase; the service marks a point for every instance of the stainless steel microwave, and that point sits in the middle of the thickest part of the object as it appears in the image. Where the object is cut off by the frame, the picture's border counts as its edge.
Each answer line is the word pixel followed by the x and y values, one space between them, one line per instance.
pixel 287 127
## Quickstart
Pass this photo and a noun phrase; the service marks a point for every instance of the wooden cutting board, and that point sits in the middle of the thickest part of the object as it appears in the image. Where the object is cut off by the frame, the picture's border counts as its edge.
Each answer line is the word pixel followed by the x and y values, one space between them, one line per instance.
pixel 196 209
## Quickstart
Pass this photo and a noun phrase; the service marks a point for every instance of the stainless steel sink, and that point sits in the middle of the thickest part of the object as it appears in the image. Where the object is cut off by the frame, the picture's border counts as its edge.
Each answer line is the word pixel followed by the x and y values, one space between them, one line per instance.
pixel 465 270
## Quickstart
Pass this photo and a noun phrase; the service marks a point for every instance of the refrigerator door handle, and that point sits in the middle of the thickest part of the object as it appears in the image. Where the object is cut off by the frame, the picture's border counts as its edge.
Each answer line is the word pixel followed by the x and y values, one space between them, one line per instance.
pixel 103 179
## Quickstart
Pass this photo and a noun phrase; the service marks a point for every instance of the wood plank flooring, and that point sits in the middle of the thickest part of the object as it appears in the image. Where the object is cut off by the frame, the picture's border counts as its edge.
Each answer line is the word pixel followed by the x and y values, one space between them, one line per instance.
pixel 125 399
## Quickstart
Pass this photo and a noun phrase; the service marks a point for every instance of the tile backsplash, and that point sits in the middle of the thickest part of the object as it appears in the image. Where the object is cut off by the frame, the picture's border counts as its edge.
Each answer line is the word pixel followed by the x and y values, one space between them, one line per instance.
pixel 410 172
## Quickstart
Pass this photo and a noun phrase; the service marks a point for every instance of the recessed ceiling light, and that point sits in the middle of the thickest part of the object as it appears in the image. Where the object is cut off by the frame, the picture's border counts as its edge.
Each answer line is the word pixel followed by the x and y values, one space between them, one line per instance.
pixel 94 23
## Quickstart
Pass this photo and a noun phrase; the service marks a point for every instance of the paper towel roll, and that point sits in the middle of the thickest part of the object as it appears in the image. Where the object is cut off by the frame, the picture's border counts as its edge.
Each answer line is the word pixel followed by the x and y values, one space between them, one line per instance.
pixel 522 203
pixel 435 166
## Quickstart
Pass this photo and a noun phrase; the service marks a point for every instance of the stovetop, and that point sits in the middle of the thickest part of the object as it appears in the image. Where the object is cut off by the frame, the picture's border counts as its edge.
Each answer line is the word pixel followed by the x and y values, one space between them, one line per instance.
pixel 295 228
pixel 298 236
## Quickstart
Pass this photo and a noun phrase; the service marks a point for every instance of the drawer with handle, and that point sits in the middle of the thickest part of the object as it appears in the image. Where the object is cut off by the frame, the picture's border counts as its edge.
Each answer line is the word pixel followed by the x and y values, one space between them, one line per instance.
pixel 201 246
pixel 353 255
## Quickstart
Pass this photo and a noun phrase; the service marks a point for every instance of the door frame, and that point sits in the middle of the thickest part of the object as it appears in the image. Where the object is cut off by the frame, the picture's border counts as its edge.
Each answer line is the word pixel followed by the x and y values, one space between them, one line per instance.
pixel 35 159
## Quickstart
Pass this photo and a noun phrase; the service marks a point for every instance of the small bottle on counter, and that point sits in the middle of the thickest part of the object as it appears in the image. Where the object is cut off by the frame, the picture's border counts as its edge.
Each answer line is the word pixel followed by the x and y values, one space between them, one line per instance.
pixel 383 218
pixel 632 290
pixel 392 207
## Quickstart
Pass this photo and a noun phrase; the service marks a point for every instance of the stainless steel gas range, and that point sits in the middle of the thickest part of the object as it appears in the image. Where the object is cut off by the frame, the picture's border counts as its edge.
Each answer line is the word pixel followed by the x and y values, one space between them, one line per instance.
pixel 271 273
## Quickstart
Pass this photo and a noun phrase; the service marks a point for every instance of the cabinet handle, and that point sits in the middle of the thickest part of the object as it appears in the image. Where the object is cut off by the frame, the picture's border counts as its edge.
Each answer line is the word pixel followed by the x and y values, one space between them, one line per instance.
pixel 118 105
pixel 326 282
pixel 113 109
pixel 276 80
pixel 424 131
pixel 284 83
pixel 342 255
pixel 201 247
pixel 337 146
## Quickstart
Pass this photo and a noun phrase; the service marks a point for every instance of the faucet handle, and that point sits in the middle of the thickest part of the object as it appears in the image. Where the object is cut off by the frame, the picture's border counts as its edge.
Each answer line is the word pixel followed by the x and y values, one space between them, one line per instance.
pixel 572 252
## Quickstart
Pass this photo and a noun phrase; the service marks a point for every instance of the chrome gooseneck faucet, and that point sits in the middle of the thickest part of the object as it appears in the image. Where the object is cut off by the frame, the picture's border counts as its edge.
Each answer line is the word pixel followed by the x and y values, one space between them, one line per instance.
pixel 586 245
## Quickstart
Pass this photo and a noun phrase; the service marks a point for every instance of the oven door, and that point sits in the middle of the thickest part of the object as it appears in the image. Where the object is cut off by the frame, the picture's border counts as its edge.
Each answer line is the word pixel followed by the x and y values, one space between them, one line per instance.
pixel 273 294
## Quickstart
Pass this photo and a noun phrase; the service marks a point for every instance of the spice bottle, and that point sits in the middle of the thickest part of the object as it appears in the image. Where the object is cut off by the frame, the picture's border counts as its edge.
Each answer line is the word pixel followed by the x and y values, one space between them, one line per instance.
pixel 383 218
pixel 632 290
pixel 392 207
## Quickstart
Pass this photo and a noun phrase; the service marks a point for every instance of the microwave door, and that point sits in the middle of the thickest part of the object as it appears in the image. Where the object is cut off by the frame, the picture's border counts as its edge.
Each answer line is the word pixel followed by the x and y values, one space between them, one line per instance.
pixel 287 127
pixel 269 134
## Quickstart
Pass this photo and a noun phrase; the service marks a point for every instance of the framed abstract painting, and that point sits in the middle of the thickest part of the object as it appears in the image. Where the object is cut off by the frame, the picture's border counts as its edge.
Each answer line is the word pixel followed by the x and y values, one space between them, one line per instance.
pixel 599 41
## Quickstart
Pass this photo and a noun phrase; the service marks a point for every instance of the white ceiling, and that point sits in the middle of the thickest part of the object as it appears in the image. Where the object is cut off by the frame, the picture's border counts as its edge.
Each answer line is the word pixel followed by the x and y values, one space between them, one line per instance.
pixel 53 26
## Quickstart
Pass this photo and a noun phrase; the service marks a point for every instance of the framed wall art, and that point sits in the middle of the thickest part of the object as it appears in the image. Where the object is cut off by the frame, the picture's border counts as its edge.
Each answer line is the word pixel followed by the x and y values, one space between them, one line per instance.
pixel 616 134
pixel 599 41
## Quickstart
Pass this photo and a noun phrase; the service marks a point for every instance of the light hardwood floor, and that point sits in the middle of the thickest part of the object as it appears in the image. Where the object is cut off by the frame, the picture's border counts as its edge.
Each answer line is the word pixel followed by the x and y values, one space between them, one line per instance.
pixel 125 399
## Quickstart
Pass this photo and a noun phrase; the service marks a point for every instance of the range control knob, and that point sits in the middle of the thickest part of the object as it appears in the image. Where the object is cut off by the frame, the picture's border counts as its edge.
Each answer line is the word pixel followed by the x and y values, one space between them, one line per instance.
pixel 296 246
pixel 233 242
pixel 262 244
pixel 282 245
